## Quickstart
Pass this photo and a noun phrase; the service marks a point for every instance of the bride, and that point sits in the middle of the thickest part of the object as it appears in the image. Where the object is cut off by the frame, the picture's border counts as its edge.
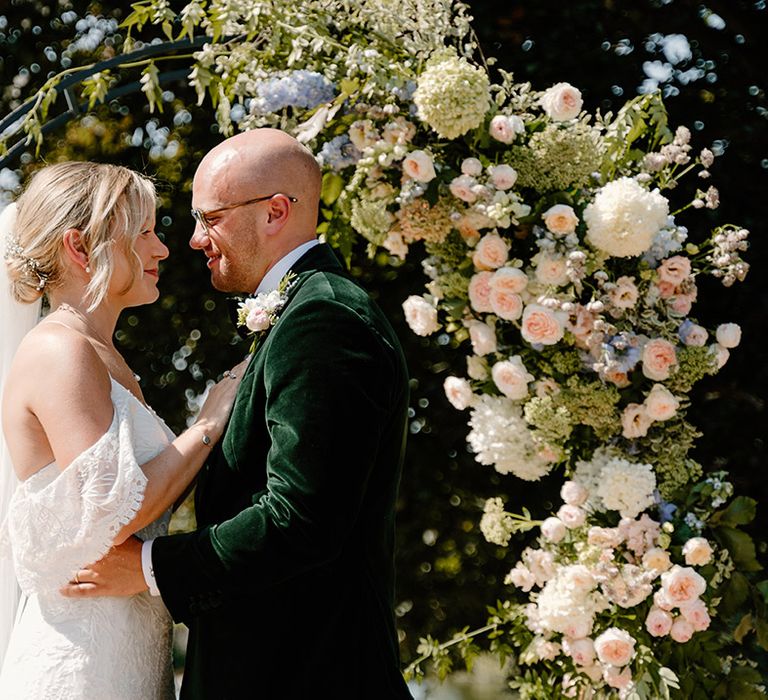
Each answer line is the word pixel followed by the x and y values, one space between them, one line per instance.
pixel 95 465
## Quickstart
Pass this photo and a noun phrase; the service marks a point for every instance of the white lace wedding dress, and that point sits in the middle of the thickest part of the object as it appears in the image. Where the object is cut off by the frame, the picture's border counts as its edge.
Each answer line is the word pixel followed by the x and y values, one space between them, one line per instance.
pixel 59 521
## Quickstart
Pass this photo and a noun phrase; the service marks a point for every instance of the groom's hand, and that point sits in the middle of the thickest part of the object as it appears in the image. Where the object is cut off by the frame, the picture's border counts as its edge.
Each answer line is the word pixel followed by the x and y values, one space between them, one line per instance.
pixel 117 574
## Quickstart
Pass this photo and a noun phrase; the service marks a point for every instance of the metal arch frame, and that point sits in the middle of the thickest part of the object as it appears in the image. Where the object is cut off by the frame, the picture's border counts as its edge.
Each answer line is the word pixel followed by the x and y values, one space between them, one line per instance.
pixel 74 108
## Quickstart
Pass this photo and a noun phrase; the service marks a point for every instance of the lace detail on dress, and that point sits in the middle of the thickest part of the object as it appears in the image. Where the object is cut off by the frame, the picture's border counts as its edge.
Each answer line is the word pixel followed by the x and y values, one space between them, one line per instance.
pixel 59 521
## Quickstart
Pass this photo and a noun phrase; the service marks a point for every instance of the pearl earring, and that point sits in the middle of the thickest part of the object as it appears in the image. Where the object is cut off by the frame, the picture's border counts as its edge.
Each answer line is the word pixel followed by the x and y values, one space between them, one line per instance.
pixel 88 269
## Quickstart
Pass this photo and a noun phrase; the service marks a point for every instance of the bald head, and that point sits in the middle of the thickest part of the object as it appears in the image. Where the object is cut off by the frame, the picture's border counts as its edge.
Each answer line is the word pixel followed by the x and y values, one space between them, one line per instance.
pixel 261 162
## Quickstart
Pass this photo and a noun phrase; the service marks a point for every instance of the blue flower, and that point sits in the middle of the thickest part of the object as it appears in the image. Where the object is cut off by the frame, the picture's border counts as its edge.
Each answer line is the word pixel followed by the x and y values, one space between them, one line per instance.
pixel 666 509
pixel 338 153
pixel 621 352
pixel 299 88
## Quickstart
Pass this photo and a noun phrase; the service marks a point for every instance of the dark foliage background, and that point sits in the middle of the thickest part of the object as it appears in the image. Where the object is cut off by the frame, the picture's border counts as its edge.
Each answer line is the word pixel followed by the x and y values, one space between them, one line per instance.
pixel 447 573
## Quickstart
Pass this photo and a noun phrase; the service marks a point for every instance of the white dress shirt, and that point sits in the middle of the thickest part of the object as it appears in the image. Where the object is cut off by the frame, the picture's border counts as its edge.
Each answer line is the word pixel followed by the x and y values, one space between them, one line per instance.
pixel 270 282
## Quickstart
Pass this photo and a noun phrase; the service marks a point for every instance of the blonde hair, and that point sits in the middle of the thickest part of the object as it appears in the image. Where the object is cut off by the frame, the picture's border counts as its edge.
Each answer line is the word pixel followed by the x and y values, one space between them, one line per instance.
pixel 108 204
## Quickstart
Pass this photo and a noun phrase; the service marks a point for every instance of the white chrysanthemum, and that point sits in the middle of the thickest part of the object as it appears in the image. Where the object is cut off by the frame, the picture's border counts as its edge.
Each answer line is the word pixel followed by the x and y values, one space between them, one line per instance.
pixel 452 96
pixel 500 436
pixel 626 487
pixel 568 603
pixel 624 218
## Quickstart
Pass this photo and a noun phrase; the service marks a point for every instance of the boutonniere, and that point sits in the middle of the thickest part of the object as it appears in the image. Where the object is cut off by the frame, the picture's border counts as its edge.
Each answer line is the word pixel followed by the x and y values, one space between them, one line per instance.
pixel 260 312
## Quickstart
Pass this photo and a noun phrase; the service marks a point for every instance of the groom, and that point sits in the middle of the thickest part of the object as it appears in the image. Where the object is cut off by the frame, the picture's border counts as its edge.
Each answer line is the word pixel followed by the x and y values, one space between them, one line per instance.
pixel 287 586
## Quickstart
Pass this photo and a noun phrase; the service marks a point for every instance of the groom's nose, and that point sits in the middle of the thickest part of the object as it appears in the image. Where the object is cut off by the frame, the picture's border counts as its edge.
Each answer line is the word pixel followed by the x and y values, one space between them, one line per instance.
pixel 199 238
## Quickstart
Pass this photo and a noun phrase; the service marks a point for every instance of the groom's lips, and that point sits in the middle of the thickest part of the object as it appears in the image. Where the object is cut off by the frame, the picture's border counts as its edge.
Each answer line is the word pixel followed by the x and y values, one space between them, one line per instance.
pixel 212 259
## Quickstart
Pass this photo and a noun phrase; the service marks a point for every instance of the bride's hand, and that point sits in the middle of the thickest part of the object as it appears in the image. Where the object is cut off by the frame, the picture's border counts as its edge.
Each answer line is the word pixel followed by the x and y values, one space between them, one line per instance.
pixel 218 404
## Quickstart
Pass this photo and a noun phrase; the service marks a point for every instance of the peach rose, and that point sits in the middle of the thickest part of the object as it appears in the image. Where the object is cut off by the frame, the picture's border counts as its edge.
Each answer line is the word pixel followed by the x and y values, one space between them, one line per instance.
pixel 506 128
pixel 697 614
pixel 635 421
pixel 682 303
pixel 505 305
pixel 509 279
pixel 675 270
pixel 419 166
pixel 659 357
pixel 616 678
pixel 562 102
pixel 681 631
pixel 480 292
pixel 582 651
pixel 420 315
pixel 459 392
pixel 666 289
pixel 681 584
pixel 660 404
pixel 657 559
pixel 482 337
pixel 605 537
pixel 461 187
pixel 551 269
pixel 512 378
pixel 697 551
pixel 658 622
pixel 472 167
pixel 541 326
pixel 502 176
pixel 660 600
pixel 560 219
pixel 491 252
pixel 615 647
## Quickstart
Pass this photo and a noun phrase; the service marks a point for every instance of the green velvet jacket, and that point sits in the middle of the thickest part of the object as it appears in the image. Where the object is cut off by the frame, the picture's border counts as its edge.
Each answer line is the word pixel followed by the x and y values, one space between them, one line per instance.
pixel 287 586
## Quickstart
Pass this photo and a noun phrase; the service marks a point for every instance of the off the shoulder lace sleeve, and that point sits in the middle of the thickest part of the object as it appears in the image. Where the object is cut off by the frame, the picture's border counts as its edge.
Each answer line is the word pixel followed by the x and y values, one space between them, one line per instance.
pixel 59 521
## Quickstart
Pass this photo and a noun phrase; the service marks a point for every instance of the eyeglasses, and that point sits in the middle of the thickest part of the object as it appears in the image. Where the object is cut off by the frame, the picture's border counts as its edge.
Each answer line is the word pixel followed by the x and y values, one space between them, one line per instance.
pixel 201 217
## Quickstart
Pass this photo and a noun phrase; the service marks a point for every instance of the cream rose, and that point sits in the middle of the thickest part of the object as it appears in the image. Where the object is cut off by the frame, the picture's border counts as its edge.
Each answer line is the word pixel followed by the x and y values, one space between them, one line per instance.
pixel 509 279
pixel 582 651
pixel 506 128
pixel 682 584
pixel 675 270
pixel 562 102
pixel 461 187
pixel 635 421
pixel 660 404
pixel 560 219
pixel 472 167
pixel 681 631
pixel 477 368
pixel 502 176
pixel 697 614
pixel 540 326
pixel 619 679
pixel 420 315
pixel 553 529
pixel 551 270
pixel 573 493
pixel 615 647
pixel 604 537
pixel 491 252
pixel 459 392
pixel 660 600
pixel 419 166
pixel 728 335
pixel 659 357
pixel 571 516
pixel 697 551
pixel 482 337
pixel 512 378
pixel 657 559
pixel 720 354
pixel 658 622
pixel 505 305
pixel 480 292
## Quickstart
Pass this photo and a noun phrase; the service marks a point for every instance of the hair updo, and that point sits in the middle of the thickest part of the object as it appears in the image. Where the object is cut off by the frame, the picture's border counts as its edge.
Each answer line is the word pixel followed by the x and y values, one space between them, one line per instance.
pixel 106 203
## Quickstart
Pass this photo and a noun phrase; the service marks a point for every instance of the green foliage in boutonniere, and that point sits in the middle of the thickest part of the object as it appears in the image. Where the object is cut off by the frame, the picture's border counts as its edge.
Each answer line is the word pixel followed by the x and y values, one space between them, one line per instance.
pixel 260 312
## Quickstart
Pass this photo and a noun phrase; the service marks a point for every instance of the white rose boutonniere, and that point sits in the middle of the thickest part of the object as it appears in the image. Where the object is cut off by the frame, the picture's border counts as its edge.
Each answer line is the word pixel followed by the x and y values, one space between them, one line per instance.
pixel 258 313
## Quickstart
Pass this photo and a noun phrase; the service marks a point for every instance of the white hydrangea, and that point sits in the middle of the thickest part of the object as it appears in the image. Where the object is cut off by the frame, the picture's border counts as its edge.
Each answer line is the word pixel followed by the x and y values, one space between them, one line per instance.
pixel 624 218
pixel 500 437
pixel 568 603
pixel 626 487
pixel 496 525
pixel 452 95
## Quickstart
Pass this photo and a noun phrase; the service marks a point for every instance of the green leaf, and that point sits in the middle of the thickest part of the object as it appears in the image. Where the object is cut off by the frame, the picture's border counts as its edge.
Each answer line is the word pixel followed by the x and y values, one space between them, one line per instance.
pixel 741 547
pixel 742 510
pixel 735 593
pixel 762 586
pixel 761 626
pixel 743 628
pixel 333 184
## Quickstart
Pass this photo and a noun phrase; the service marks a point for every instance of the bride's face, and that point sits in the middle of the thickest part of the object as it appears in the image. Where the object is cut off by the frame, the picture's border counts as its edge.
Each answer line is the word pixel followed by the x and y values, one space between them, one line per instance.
pixel 136 273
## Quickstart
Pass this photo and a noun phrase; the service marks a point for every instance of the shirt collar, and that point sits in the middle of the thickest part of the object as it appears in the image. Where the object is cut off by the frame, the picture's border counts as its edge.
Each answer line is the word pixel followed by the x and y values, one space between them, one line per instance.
pixel 271 280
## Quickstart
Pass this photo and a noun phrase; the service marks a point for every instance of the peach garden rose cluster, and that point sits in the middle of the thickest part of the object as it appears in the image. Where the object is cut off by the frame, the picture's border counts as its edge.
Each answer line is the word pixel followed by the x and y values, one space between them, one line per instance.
pixel 564 253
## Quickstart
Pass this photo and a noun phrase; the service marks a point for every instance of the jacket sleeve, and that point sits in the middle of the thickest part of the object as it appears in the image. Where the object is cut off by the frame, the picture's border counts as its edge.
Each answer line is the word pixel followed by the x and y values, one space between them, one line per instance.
pixel 330 380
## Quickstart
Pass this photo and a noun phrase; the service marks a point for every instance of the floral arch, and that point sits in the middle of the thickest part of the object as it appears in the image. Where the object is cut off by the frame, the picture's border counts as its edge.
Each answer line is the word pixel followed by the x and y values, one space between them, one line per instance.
pixel 564 264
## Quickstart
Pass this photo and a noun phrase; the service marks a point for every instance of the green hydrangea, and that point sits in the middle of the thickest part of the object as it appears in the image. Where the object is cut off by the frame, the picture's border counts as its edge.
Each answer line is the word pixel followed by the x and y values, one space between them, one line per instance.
pixel 371 218
pixel 553 422
pixel 452 251
pixel 563 362
pixel 592 404
pixel 693 364
pixel 452 95
pixel 557 159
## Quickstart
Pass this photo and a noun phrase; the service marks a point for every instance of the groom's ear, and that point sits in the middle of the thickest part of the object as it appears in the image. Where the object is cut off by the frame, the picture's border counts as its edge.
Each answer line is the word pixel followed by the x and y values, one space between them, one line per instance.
pixel 278 210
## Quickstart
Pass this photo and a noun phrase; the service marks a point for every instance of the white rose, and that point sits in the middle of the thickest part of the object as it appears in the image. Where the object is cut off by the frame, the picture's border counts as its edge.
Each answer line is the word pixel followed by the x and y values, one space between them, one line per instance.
pixel 477 368
pixel 660 404
pixel 472 167
pixel 694 335
pixel 509 279
pixel 560 219
pixel 502 176
pixel 482 337
pixel 491 252
pixel 551 269
pixel 657 559
pixel 681 631
pixel 582 651
pixel 553 529
pixel 562 102
pixel 697 551
pixel 459 392
pixel 721 354
pixel 512 378
pixel 615 647
pixel 635 421
pixel 541 325
pixel 728 335
pixel 682 585
pixel 573 493
pixel 521 577
pixel 420 315
pixel 505 128
pixel 461 187
pixel 419 166
pixel 571 516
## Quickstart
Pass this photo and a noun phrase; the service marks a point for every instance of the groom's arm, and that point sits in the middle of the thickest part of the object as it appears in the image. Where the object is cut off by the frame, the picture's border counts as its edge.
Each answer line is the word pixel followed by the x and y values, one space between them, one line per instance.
pixel 331 381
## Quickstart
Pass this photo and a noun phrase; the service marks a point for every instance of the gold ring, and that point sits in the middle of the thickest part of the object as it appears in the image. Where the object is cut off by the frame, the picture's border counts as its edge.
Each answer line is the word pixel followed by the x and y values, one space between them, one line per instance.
pixel 77 578
pixel 231 375
pixel 227 373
